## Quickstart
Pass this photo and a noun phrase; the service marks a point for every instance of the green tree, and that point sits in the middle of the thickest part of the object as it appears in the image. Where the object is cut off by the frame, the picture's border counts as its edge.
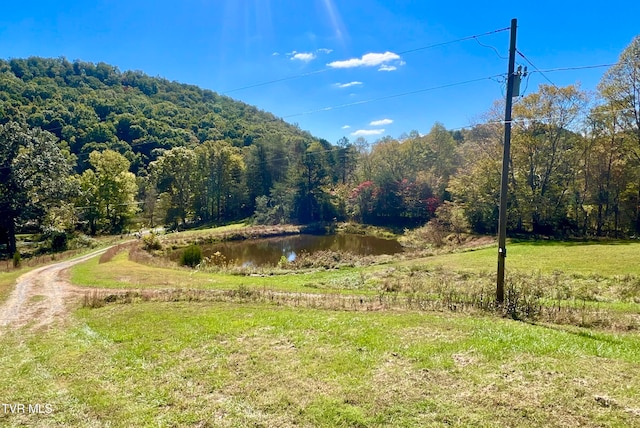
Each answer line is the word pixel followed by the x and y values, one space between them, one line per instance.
pixel 220 167
pixel 308 178
pixel 439 157
pixel 108 192
pixel 608 174
pixel 620 87
pixel 33 177
pixel 346 160
pixel 476 184
pixel 174 175
pixel 545 156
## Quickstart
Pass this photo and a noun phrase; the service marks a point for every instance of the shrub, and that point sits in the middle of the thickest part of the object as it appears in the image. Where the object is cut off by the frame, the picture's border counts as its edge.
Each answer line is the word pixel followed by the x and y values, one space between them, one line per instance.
pixel 57 239
pixel 191 256
pixel 83 241
pixel 151 242
pixel 17 259
pixel 214 263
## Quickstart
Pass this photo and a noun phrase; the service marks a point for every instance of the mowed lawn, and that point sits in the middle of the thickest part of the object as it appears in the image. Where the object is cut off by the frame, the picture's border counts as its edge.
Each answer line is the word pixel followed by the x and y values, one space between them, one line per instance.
pixel 580 258
pixel 232 365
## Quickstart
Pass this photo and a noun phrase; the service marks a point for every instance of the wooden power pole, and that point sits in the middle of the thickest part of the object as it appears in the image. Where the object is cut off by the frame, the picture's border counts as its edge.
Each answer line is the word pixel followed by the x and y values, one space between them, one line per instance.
pixel 502 220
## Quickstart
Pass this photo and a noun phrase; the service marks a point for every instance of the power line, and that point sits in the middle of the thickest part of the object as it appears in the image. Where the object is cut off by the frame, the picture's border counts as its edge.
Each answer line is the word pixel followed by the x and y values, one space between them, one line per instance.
pixel 434 45
pixel 553 70
pixel 536 69
pixel 462 39
pixel 582 67
pixel 490 47
pixel 402 94
pixel 269 82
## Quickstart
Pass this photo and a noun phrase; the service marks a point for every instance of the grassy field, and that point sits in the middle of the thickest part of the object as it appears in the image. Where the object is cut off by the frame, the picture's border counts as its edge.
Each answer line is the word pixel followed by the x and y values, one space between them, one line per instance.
pixel 581 258
pixel 240 363
pixel 229 365
pixel 594 274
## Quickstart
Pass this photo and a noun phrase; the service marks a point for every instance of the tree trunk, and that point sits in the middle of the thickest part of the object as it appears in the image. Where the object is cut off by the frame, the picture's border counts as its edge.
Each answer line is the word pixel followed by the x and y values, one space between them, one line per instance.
pixel 638 214
pixel 11 235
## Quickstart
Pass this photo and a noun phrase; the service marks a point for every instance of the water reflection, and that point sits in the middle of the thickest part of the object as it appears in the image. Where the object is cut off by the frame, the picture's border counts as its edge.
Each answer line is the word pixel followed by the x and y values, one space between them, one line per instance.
pixel 268 251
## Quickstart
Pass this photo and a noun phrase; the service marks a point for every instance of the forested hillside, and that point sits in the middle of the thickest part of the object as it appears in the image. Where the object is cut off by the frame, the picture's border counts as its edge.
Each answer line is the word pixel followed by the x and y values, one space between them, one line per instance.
pixel 88 148
pixel 97 107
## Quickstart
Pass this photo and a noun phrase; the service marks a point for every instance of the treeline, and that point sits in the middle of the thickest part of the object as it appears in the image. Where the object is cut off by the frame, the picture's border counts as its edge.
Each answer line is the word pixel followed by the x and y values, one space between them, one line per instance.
pixel 86 147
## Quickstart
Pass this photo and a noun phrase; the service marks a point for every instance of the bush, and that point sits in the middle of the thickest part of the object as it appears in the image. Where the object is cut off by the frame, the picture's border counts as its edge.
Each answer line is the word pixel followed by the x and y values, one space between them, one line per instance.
pixel 57 239
pixel 17 259
pixel 82 241
pixel 151 242
pixel 191 256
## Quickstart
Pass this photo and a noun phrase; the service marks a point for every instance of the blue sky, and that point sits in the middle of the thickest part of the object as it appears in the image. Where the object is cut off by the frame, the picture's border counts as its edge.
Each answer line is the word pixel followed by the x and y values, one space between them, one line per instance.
pixel 350 59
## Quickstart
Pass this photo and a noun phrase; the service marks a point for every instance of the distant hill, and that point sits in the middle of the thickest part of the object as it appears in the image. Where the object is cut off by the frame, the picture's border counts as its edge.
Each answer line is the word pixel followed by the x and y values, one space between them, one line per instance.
pixel 96 106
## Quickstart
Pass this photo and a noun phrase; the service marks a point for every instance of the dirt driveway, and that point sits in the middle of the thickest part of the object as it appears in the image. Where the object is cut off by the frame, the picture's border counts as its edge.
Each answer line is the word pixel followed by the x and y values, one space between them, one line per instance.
pixel 41 296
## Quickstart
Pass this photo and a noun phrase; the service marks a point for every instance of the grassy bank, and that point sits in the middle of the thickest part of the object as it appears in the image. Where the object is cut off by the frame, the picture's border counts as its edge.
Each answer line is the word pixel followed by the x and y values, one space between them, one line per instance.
pixel 120 272
pixel 181 364
pixel 580 258
pixel 8 281
pixel 535 288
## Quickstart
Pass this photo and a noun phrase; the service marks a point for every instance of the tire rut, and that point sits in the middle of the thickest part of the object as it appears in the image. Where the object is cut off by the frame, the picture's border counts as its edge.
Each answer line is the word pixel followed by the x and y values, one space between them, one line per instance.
pixel 41 297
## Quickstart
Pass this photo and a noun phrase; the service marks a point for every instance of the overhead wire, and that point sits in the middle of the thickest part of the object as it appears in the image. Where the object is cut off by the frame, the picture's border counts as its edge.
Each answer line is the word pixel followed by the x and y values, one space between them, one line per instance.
pixel 580 67
pixel 407 51
pixel 386 97
pixel 462 39
pixel 329 108
pixel 491 47
pixel 536 68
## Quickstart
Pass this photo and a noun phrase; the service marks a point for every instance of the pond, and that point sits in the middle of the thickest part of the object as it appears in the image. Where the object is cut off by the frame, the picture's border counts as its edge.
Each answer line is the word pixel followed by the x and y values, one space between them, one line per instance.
pixel 268 251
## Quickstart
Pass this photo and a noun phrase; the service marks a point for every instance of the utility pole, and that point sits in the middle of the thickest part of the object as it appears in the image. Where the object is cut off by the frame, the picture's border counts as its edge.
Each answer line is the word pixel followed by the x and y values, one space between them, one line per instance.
pixel 502 220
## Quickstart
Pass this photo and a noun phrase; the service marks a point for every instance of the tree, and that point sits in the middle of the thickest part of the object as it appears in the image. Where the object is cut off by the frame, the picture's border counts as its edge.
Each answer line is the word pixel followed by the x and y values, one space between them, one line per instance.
pixel 476 185
pixel 439 157
pixel 108 190
pixel 620 87
pixel 33 177
pixel 220 167
pixel 389 168
pixel 608 171
pixel 545 155
pixel 308 178
pixel 173 172
pixel 346 161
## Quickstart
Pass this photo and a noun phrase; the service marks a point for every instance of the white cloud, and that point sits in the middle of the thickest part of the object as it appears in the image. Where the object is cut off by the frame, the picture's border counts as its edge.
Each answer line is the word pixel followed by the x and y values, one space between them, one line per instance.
pixel 275 54
pixel 347 85
pixel 386 67
pixel 381 122
pixel 346 127
pixel 367 60
pixel 303 56
pixel 367 132
pixel 324 50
